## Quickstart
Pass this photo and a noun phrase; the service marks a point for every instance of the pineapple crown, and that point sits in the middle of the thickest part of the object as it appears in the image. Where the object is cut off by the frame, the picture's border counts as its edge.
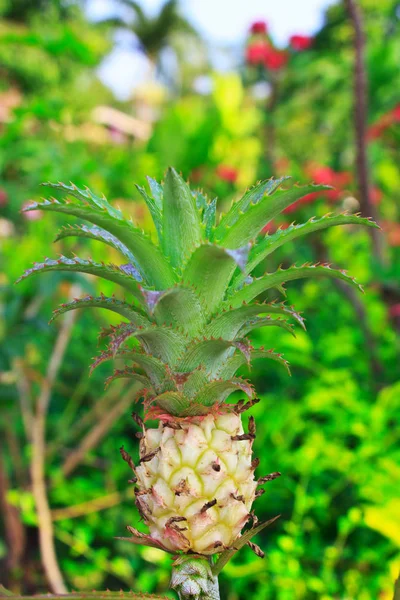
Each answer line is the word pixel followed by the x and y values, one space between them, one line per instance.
pixel 193 296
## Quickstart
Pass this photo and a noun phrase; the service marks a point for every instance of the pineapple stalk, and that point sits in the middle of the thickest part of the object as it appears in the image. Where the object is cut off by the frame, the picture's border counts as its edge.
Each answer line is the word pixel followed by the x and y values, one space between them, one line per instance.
pixel 193 579
pixel 191 303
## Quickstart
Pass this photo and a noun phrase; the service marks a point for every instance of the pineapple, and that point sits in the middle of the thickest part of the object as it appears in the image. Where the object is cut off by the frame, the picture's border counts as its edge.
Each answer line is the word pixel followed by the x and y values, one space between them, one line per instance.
pixel 192 303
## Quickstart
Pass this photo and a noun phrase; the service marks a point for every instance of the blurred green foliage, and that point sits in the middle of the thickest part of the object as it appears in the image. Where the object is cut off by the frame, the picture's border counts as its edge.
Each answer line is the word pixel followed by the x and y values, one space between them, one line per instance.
pixel 331 429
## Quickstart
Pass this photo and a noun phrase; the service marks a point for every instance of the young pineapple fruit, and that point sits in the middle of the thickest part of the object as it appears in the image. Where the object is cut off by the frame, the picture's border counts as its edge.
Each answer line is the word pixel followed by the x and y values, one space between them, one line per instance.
pixel 191 303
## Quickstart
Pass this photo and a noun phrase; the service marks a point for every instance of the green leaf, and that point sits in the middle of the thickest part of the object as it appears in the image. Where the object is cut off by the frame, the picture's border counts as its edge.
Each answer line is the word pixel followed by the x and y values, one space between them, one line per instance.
pixel 209 354
pixel 218 391
pixel 238 544
pixel 209 218
pixel 252 196
pixel 129 373
pixel 182 230
pixel 228 324
pixel 180 307
pixel 153 265
pixel 163 343
pixel 99 234
pixel 87 196
pixel 155 211
pixel 249 225
pixel 233 363
pixel 154 368
pixel 271 242
pixel 157 192
pixel 110 271
pixel 210 270
pixel 271 280
pixel 174 403
pixel 259 322
pixel 118 306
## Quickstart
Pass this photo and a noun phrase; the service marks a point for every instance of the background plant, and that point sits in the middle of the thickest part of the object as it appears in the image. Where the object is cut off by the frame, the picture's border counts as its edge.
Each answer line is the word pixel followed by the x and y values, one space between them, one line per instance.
pixel 331 428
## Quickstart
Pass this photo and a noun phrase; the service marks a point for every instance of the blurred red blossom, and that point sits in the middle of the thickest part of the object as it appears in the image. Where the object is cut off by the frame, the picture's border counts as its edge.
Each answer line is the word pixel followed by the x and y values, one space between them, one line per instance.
pixel 33 215
pixel 324 175
pixel 379 127
pixel 301 42
pixel 257 52
pixel 392 230
pixel 376 195
pixel 227 173
pixel 275 59
pixel 3 197
pixel 259 27
pixel 394 311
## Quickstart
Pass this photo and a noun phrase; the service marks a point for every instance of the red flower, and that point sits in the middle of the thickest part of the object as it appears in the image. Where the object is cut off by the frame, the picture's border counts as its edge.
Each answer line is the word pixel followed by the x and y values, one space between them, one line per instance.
pixel 392 230
pixel 259 27
pixel 3 197
pixel 394 310
pixel 301 42
pixel 378 128
pixel 305 200
pixel 257 52
pixel 227 173
pixel 376 196
pixel 396 114
pixel 275 59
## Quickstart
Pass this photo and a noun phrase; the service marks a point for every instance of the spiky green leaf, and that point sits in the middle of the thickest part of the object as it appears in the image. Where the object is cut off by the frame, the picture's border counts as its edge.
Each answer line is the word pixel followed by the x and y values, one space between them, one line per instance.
pixel 271 280
pixel 210 270
pixel 110 271
pixel 154 209
pixel 209 354
pixel 234 362
pixel 174 403
pixel 129 373
pixel 163 343
pixel 99 234
pixel 154 267
pixel 180 307
pixel 271 242
pixel 118 306
pixel 156 191
pixel 182 230
pixel 250 223
pixel 216 392
pixel 252 196
pixel 228 324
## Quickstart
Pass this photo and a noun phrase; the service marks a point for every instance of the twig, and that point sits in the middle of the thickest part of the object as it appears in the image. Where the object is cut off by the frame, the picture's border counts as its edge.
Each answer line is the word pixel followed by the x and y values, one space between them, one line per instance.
pixel 45 525
pixel 85 508
pixel 13 528
pixel 360 123
pixel 99 408
pixel 93 437
pixel 24 395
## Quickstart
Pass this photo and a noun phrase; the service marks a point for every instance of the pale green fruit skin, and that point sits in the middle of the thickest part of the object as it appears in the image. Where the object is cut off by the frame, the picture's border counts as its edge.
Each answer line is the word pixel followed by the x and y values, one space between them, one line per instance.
pixel 187 455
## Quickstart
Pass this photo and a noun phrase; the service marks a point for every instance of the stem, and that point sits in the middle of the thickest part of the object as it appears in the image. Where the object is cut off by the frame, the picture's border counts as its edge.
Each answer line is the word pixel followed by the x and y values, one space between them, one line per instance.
pixel 270 131
pixel 360 122
pixel 39 486
pixel 192 579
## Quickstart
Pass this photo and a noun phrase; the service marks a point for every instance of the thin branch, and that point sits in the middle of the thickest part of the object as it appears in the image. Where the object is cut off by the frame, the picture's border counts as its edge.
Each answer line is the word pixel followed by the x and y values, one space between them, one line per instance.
pixel 45 525
pixel 94 436
pixel 360 123
pixel 100 407
pixel 24 396
pixel 85 508
pixel 14 530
